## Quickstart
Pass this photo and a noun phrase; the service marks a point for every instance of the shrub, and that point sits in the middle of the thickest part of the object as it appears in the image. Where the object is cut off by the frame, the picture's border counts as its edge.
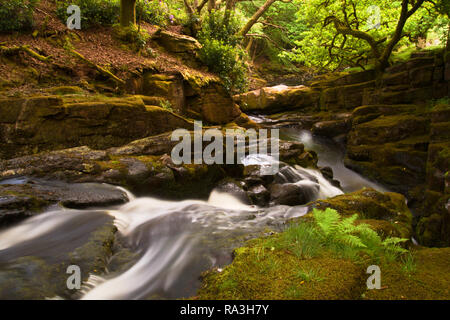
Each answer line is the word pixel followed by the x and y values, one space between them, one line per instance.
pixel 16 15
pixel 152 11
pixel 221 51
pixel 93 12
pixel 226 61
pixel 213 27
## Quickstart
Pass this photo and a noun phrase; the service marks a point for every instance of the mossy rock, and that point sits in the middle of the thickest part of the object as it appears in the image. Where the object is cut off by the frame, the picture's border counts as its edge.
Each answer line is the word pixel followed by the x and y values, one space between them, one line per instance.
pixel 373 205
pixel 65 90
pixel 429 278
pixel 274 275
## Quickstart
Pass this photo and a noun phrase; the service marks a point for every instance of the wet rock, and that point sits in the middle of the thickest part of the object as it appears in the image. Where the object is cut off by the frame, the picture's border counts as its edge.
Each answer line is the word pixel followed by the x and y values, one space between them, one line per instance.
pixel 234 188
pixel 15 207
pixel 36 269
pixel 289 194
pixel 259 195
pixel 21 201
pixel 331 128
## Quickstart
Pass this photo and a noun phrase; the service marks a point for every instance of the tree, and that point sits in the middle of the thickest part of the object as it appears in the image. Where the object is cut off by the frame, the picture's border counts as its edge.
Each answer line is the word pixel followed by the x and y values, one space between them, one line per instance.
pixel 339 34
pixel 381 55
pixel 127 12
pixel 255 17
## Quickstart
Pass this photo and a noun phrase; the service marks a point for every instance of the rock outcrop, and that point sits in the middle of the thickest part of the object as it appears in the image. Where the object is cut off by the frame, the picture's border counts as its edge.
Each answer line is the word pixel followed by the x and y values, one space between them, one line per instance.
pixel 31 125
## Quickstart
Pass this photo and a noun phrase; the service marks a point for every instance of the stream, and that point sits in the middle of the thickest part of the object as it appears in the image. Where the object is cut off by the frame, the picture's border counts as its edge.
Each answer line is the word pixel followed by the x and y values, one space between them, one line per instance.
pixel 168 243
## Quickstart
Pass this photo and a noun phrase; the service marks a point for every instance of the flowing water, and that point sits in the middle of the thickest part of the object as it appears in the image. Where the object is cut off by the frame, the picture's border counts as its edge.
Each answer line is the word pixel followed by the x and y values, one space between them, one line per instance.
pixel 172 242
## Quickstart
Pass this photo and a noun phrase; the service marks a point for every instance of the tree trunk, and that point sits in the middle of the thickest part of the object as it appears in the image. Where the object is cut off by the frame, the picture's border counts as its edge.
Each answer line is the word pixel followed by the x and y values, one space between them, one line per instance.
pixel 127 13
pixel 255 17
pixel 448 38
pixel 228 8
pixel 383 62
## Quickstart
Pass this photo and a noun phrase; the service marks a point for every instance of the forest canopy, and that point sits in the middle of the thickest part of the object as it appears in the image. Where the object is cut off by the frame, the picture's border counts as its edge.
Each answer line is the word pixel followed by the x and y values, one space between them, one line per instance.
pixel 321 35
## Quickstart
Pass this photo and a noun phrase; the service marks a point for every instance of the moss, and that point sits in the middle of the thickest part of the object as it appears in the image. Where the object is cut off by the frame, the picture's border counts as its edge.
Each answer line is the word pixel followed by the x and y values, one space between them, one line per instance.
pixel 259 273
pixel 429 279
pixel 65 90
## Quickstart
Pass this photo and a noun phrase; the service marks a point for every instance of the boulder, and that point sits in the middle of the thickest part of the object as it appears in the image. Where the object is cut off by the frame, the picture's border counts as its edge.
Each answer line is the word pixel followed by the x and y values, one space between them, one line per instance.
pixel 274 99
pixel 176 43
pixel 32 196
pixel 331 128
pixel 289 194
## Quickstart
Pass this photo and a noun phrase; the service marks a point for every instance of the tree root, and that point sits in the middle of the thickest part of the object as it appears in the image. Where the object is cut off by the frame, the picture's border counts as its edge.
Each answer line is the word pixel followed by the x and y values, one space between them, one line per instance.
pixel 16 49
pixel 97 67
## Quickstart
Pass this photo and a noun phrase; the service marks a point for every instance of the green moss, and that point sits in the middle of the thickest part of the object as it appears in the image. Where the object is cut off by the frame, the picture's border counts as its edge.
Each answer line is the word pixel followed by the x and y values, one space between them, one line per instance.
pixel 282 267
pixel 429 279
pixel 257 274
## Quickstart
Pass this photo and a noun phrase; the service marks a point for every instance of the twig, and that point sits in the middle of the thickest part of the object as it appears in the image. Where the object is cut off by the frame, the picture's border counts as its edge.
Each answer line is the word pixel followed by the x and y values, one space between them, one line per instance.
pixel 25 48
pixel 97 67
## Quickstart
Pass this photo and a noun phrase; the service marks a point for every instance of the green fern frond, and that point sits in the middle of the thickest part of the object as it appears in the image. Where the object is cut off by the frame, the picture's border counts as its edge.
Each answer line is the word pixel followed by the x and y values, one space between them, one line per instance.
pixel 350 240
pixel 327 220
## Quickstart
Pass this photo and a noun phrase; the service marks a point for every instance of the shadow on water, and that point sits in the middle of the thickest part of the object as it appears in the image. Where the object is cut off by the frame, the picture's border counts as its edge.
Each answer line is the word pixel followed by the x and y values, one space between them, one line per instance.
pixel 331 155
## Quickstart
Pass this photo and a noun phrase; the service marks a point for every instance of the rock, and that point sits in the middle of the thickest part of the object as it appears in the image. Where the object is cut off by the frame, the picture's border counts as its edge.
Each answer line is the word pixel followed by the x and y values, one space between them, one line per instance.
pixel 20 201
pixel 65 90
pixel 289 194
pixel 176 43
pixel 234 188
pixel 259 195
pixel 331 128
pixel 345 97
pixel 168 87
pixel 37 270
pixel 31 125
pixel 15 207
pixel 371 204
pixel 213 104
pixel 278 98
pixel 138 167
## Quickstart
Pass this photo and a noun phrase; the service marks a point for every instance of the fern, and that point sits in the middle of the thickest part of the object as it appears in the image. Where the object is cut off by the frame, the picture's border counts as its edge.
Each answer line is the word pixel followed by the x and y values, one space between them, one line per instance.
pixel 343 236
pixel 326 220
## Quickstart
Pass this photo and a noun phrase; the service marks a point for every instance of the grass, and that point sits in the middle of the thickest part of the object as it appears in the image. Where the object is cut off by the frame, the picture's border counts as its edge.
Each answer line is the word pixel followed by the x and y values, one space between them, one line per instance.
pixel 409 263
pixel 308 275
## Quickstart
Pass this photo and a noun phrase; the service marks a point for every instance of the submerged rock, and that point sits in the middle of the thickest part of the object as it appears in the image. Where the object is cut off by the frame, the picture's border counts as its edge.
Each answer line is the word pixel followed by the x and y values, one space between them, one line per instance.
pixel 37 268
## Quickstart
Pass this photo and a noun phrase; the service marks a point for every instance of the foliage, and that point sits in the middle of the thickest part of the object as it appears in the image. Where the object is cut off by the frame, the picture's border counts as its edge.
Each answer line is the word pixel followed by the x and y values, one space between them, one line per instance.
pixel 319 45
pixel 154 12
pixel 213 27
pixel 278 23
pixel 16 15
pixel 132 35
pixel 166 105
pixel 220 50
pixel 329 231
pixel 161 13
pixel 93 12
pixel 226 61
